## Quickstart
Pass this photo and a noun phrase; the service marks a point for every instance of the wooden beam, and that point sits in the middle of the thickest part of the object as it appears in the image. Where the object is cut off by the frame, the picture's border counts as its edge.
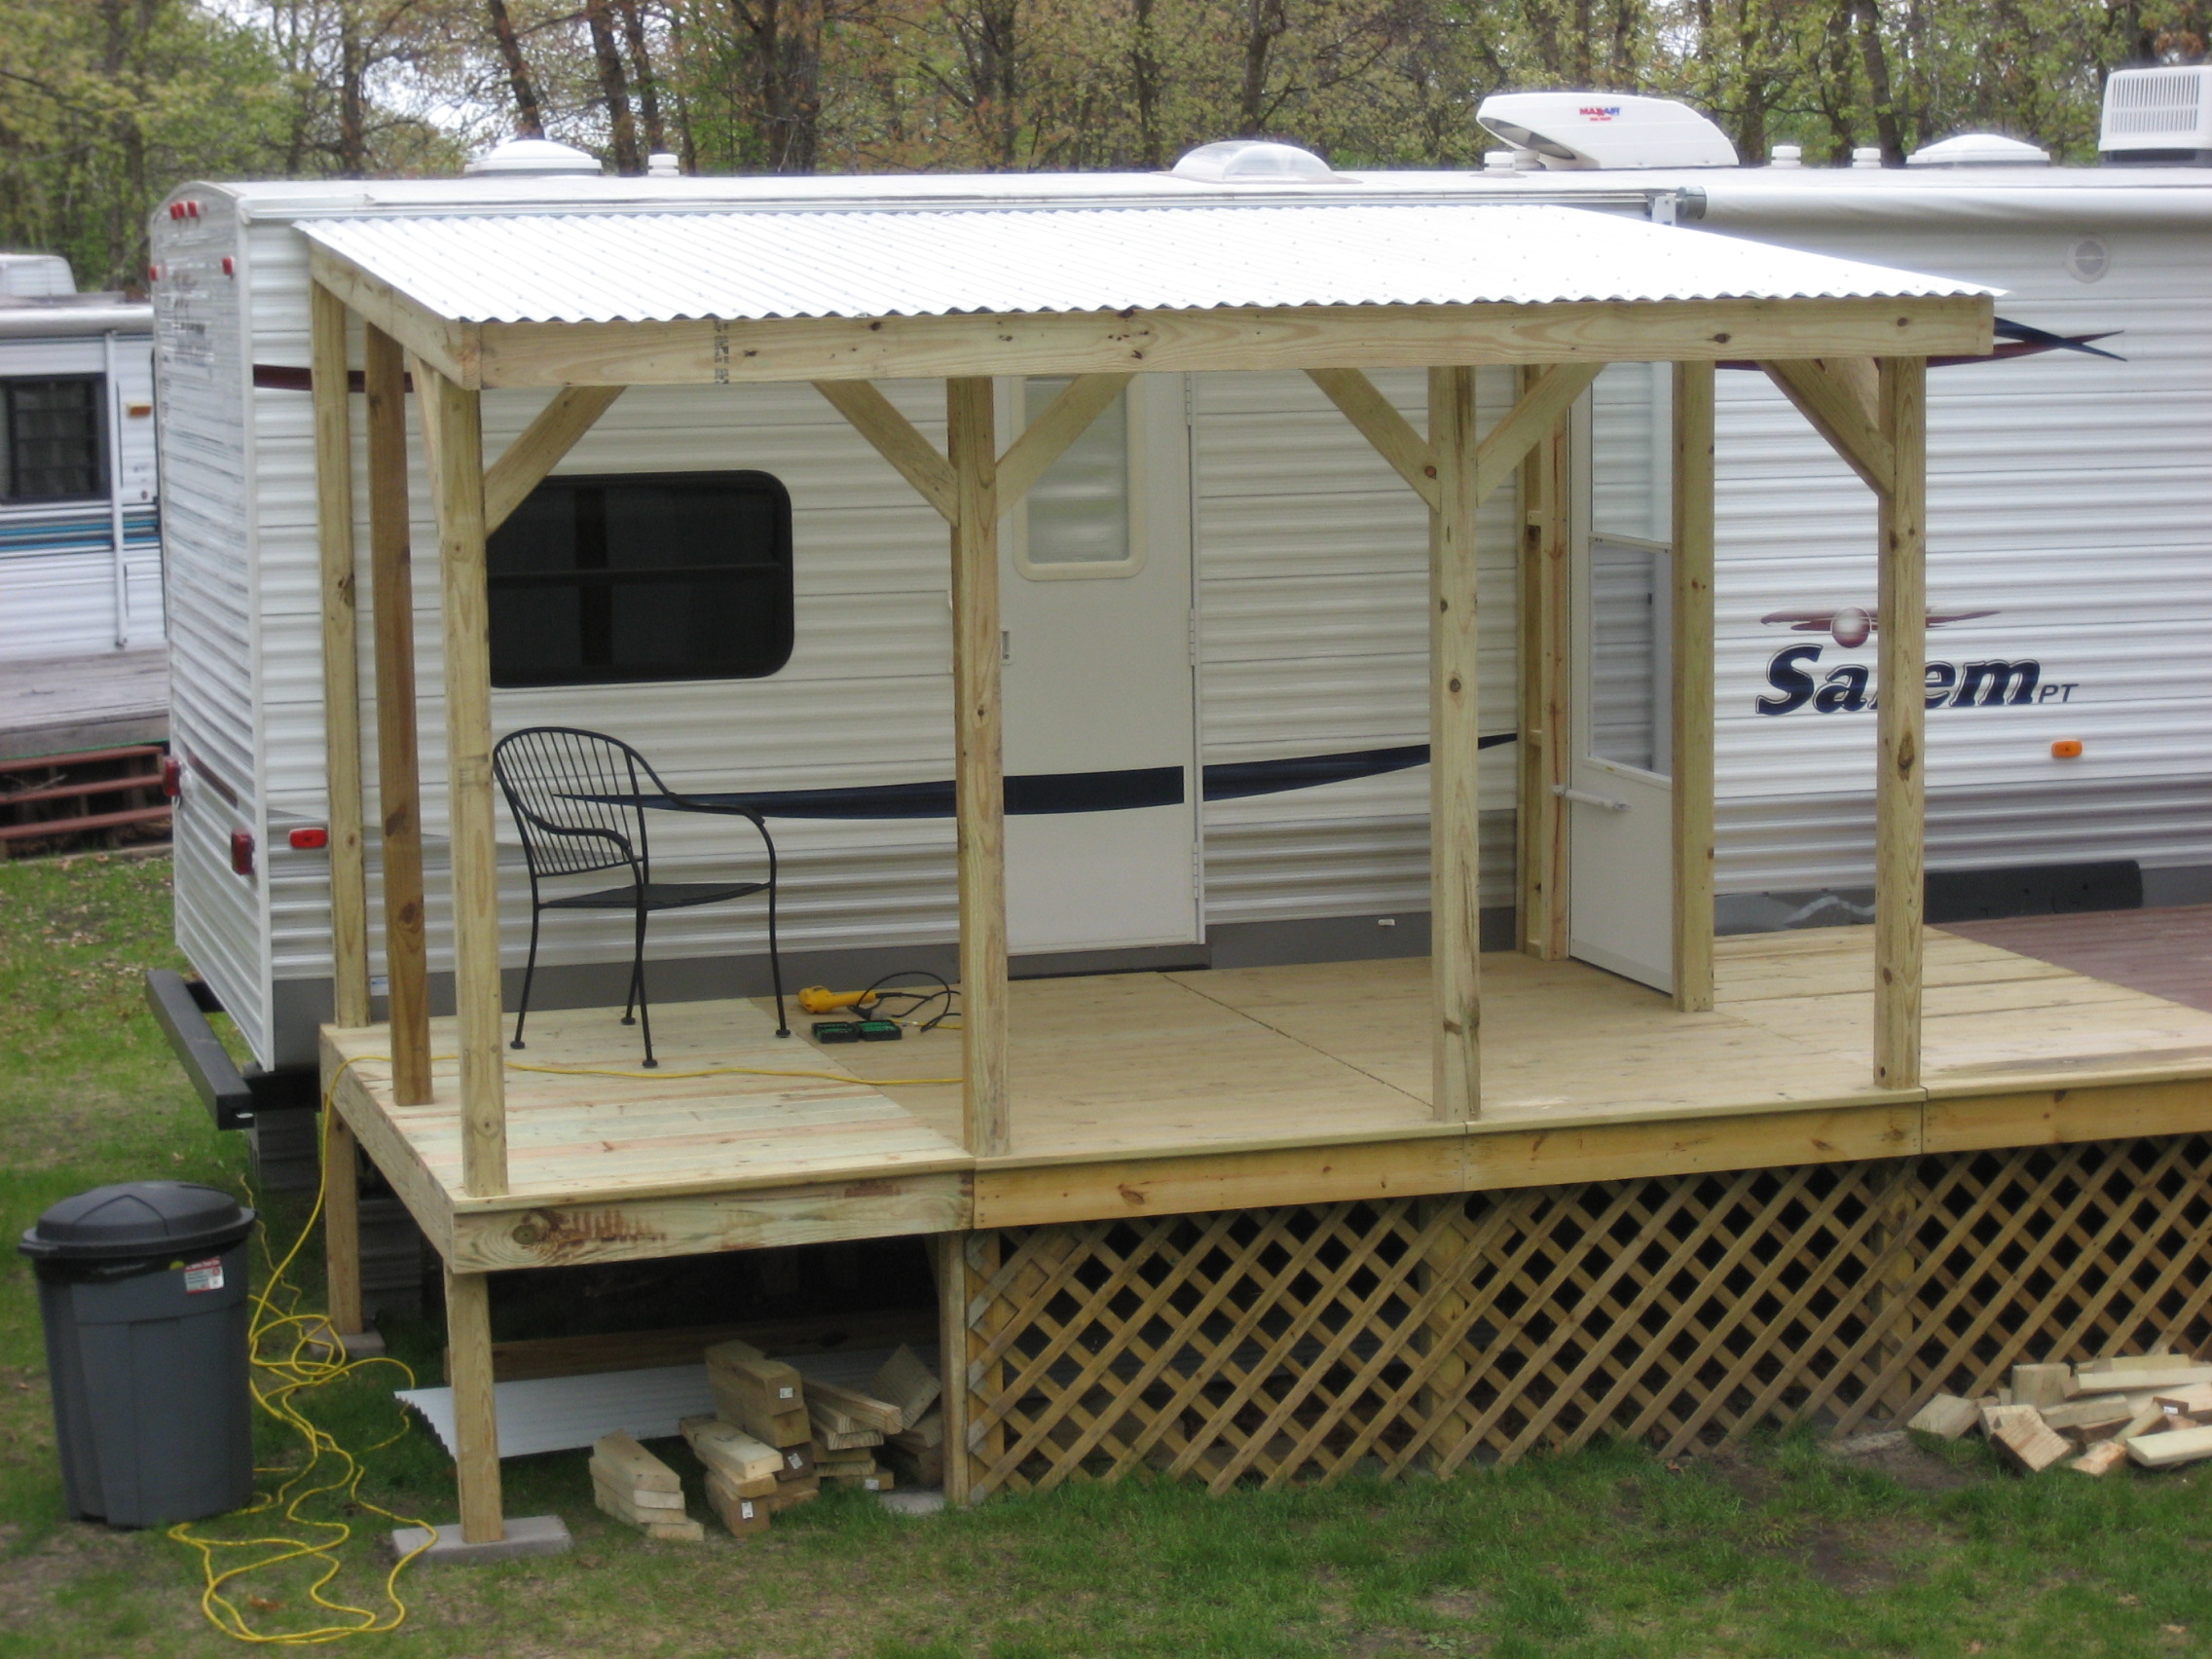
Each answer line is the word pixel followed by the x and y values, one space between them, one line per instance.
pixel 1545 713
pixel 341 659
pixel 1454 734
pixel 1832 403
pixel 475 1415
pixel 1900 804
pixel 400 786
pixel 949 1255
pixel 1379 422
pixel 509 480
pixel 707 352
pixel 978 767
pixel 914 457
pixel 1692 777
pixel 1541 408
pixel 1046 440
pixel 342 1227
pixel 454 434
pixel 449 346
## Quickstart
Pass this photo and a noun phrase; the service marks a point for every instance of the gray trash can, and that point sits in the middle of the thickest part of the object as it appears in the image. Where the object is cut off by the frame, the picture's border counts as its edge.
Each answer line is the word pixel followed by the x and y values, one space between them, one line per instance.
pixel 142 1290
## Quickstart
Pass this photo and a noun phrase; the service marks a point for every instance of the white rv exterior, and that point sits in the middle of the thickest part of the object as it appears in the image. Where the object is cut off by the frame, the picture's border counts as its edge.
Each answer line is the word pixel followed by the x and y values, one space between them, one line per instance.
pixel 80 555
pixel 2070 515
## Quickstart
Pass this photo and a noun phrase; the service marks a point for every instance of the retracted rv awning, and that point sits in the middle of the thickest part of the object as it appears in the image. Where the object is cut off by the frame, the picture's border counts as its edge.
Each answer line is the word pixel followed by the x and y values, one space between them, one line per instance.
pixel 545 298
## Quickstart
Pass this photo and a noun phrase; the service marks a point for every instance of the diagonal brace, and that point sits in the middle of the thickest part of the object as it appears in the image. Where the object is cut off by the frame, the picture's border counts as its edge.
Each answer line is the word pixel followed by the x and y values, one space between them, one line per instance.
pixel 1832 395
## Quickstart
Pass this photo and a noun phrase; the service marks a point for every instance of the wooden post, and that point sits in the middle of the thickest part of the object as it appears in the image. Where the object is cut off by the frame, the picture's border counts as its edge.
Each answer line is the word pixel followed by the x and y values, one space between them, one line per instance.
pixel 948 1252
pixel 342 1225
pixel 1546 712
pixel 453 427
pixel 979 765
pixel 1693 687
pixel 475 1417
pixel 341 659
pixel 1453 736
pixel 1899 785
pixel 400 786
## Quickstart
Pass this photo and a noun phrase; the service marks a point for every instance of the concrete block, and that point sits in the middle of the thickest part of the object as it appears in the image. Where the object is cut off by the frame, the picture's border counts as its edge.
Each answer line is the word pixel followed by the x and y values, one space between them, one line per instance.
pixel 912 1503
pixel 531 1535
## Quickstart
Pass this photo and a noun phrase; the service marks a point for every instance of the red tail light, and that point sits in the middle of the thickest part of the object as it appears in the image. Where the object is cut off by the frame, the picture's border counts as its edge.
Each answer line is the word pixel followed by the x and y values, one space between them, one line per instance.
pixel 241 851
pixel 309 840
pixel 172 777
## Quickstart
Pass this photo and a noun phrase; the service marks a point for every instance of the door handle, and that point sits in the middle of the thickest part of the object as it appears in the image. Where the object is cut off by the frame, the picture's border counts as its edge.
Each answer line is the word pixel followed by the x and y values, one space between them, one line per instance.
pixel 1586 798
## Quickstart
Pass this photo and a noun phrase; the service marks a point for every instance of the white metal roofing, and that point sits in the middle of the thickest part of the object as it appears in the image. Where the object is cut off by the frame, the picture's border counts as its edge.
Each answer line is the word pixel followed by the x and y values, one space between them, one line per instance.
pixel 919 262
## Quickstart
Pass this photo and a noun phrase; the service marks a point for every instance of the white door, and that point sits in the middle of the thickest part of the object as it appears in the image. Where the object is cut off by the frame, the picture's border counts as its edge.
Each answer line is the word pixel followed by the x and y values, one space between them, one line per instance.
pixel 1094 579
pixel 1620 826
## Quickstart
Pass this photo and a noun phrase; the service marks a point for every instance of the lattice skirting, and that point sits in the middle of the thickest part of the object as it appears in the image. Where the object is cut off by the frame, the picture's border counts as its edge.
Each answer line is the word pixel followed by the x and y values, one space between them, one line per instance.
pixel 1305 1342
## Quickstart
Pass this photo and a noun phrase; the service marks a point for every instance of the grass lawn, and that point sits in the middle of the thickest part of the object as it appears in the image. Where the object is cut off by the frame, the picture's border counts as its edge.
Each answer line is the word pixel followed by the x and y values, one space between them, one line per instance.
pixel 1782 1550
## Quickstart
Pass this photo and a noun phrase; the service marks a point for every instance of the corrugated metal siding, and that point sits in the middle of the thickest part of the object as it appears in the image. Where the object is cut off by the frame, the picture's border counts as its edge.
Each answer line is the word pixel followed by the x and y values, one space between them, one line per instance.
pixel 2066 494
pixel 934 261
pixel 207 488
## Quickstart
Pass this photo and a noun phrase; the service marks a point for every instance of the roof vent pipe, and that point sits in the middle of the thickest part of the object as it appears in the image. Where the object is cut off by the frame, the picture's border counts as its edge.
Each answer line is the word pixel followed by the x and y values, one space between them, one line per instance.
pixel 663 164
pixel 525 158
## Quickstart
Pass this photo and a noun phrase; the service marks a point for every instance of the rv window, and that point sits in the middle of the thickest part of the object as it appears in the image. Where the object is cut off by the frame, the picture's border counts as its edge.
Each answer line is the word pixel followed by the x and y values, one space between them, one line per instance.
pixel 1076 519
pixel 49 439
pixel 678 575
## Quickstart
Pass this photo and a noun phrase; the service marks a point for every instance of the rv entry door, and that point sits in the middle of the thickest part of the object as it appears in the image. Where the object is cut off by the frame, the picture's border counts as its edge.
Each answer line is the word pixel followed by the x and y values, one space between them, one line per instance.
pixel 1101 733
pixel 1620 826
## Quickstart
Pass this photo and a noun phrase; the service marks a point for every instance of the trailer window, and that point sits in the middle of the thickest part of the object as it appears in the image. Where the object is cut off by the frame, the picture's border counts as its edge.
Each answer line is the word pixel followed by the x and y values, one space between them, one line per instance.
pixel 1077 520
pixel 647 576
pixel 49 439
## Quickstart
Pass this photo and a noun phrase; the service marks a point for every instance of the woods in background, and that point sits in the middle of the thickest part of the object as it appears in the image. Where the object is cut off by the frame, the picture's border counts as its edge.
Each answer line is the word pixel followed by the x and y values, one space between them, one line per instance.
pixel 106 104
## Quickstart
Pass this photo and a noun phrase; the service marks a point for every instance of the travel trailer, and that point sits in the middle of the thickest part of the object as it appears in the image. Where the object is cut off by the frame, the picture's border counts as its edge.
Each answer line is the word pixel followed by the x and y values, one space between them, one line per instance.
pixel 1214 613
pixel 80 544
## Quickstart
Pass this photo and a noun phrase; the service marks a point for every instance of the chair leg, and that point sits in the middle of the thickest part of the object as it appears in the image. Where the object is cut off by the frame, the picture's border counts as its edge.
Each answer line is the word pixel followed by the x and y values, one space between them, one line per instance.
pixel 637 990
pixel 528 973
pixel 776 966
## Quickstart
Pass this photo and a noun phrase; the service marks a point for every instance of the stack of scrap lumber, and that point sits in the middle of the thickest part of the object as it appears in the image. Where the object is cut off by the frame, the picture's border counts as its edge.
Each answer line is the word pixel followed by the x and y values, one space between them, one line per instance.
pixel 916 1452
pixel 633 1485
pixel 816 1430
pixel 2152 1409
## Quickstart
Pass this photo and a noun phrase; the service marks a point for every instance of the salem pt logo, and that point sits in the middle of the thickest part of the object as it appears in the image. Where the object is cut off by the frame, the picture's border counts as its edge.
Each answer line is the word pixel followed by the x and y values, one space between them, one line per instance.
pixel 1793 682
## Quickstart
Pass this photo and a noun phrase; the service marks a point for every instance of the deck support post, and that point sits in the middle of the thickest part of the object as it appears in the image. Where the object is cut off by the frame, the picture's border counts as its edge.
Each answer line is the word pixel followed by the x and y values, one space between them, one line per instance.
pixel 979 765
pixel 400 786
pixel 341 658
pixel 949 1255
pixel 342 1225
pixel 1455 736
pixel 454 433
pixel 1546 713
pixel 1692 770
pixel 1899 783
pixel 475 1417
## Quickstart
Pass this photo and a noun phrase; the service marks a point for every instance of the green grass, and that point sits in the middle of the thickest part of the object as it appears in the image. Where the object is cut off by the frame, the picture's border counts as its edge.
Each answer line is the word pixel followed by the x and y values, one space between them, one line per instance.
pixel 1781 1551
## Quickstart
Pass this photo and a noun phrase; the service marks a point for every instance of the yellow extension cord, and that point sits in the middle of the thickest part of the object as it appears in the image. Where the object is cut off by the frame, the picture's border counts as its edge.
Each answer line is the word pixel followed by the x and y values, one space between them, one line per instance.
pixel 298 1370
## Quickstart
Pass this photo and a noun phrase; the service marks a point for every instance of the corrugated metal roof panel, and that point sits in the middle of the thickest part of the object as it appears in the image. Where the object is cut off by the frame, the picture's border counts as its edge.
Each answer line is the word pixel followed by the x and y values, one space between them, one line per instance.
pixel 757 265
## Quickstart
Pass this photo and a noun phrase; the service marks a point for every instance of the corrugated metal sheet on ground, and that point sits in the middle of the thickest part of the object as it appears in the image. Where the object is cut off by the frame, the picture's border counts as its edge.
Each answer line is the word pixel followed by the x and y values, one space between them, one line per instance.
pixel 657 267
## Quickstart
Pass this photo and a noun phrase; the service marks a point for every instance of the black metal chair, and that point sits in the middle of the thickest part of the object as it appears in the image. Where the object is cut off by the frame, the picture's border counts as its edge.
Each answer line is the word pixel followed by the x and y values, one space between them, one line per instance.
pixel 578 799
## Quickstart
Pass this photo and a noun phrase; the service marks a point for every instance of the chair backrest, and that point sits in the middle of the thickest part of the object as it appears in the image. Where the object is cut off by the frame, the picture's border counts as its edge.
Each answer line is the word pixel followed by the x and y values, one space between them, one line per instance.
pixel 574 798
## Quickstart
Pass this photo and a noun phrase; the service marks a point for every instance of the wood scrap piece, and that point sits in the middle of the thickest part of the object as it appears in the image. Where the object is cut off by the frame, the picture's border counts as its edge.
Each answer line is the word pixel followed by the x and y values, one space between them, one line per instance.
pixel 2150 1416
pixel 797 1463
pixel 826 1457
pixel 2162 1358
pixel 763 1396
pixel 2101 1459
pixel 659 1505
pixel 670 1524
pixel 626 1463
pixel 2140 1376
pixel 854 1440
pixel 725 1446
pixel 1994 1419
pixel 2091 1414
pixel 2029 1441
pixel 2196 1401
pixel 858 1411
pixel 2174 1446
pixel 2040 1384
pixel 686 1531
pixel 847 1474
pixel 922 1466
pixel 790 1494
pixel 743 1513
pixel 1947 1416
pixel 907 1383
pixel 928 1432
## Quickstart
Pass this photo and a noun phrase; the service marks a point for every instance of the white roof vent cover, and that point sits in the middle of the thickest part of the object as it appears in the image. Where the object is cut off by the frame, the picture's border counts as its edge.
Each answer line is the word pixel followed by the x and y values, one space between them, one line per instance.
pixel 1252 161
pixel 1978 150
pixel 1575 130
pixel 35 276
pixel 528 157
pixel 2164 111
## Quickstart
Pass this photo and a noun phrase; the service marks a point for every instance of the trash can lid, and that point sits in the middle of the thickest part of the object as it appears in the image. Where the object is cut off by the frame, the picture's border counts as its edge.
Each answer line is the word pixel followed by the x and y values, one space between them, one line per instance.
pixel 136 1218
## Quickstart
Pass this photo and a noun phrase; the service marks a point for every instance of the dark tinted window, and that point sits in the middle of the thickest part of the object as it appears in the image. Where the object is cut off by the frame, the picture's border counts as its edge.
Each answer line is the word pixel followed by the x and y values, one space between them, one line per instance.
pixel 49 439
pixel 678 576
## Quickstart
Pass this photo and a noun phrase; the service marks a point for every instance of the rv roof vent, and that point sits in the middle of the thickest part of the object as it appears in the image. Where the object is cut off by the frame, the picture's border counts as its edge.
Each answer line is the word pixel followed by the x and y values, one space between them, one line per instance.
pixel 2157 115
pixel 1607 130
pixel 1978 150
pixel 1246 161
pixel 525 157
pixel 35 276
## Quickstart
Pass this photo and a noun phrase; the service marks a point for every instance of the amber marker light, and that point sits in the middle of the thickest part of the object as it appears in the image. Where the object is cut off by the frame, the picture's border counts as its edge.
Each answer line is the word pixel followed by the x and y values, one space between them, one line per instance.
pixel 2066 748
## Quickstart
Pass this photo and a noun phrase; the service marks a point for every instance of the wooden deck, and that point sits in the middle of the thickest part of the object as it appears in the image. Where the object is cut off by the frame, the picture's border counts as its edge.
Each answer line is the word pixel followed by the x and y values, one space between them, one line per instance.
pixel 1161 1093
pixel 65 705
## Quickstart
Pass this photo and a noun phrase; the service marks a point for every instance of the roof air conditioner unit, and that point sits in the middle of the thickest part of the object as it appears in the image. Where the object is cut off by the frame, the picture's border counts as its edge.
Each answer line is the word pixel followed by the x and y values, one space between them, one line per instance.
pixel 1572 130
pixel 2157 116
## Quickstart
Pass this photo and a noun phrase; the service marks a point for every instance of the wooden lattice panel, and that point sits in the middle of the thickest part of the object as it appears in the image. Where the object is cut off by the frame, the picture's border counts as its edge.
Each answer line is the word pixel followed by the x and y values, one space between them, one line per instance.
pixel 1299 1343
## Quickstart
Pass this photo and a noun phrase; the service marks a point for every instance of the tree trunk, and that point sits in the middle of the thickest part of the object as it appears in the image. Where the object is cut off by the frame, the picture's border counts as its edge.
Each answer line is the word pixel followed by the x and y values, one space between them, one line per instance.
pixel 1887 130
pixel 1266 22
pixel 530 117
pixel 1144 82
pixel 640 61
pixel 352 97
pixel 614 90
